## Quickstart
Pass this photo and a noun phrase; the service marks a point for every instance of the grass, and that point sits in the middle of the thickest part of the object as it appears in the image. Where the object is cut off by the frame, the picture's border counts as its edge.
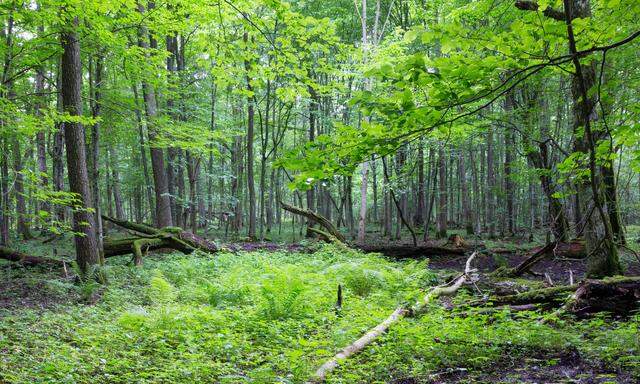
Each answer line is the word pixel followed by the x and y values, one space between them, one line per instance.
pixel 267 318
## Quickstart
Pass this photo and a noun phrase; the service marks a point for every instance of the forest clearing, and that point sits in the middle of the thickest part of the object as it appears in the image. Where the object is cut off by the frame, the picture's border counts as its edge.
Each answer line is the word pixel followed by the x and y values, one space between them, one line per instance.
pixel 273 191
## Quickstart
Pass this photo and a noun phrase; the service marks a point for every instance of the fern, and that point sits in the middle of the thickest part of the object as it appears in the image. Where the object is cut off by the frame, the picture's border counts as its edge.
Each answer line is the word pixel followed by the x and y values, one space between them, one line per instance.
pixel 283 297
pixel 160 290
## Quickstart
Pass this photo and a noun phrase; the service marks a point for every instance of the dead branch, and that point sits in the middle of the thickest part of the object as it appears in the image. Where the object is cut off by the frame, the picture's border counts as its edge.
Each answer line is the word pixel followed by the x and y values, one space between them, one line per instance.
pixel 442 290
pixel 315 218
pixel 530 261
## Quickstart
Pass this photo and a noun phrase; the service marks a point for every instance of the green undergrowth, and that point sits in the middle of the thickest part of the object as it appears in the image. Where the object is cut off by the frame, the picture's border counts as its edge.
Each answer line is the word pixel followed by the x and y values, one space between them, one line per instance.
pixel 269 317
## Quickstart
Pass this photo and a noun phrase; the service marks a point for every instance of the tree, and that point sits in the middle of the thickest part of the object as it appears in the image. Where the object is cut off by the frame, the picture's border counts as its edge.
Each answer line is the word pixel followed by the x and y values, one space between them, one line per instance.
pixel 160 180
pixel 71 82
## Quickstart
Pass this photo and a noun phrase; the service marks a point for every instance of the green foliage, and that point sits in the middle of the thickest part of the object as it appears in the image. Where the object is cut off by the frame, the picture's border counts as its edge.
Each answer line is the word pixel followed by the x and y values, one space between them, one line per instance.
pixel 283 296
pixel 268 317
pixel 160 290
pixel 363 281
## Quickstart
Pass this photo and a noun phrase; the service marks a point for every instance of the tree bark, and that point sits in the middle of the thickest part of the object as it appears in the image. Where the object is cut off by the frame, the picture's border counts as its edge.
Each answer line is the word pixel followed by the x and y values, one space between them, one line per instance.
pixel 163 203
pixel 96 87
pixel 22 220
pixel 442 195
pixel 509 143
pixel 604 260
pixel 83 219
pixel 44 205
pixel 466 209
pixel 250 156
pixel 4 191
pixel 491 186
pixel 148 187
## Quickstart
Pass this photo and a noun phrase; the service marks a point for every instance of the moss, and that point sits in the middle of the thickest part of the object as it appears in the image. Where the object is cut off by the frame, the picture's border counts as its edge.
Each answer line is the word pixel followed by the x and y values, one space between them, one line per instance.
pixel 537 296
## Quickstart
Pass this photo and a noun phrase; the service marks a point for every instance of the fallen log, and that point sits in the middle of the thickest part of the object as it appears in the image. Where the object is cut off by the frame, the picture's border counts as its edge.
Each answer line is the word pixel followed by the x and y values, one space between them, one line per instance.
pixel 557 294
pixel 529 262
pixel 27 260
pixel 149 238
pixel 598 295
pixel 617 295
pixel 315 218
pixel 442 290
pixel 574 249
pixel 410 252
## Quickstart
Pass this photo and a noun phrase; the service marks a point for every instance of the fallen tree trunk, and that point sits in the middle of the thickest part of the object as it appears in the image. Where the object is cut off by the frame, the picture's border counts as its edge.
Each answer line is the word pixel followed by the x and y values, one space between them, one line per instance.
pixel 575 249
pixel 618 295
pixel 128 245
pixel 529 262
pixel 408 252
pixel 149 238
pixel 27 260
pixel 599 295
pixel 442 290
pixel 189 238
pixel 537 296
pixel 316 218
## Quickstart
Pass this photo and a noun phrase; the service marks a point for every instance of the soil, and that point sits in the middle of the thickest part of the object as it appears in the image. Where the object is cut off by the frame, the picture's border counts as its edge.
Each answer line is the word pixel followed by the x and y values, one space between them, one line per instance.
pixel 557 269
pixel 566 367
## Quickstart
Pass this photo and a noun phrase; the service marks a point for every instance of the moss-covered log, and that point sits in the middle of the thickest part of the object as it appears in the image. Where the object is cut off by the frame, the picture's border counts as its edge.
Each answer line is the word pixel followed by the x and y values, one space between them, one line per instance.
pixel 590 295
pixel 140 244
pixel 545 295
pixel 27 260
pixel 141 228
pixel 126 245
pixel 175 237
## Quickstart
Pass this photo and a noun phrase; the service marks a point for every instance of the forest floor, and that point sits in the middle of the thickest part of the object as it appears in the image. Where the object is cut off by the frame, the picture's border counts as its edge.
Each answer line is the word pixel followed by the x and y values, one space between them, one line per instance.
pixel 264 313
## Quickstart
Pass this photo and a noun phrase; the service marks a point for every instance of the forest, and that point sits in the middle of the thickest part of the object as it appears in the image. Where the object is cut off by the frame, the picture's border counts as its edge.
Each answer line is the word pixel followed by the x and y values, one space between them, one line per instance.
pixel 319 191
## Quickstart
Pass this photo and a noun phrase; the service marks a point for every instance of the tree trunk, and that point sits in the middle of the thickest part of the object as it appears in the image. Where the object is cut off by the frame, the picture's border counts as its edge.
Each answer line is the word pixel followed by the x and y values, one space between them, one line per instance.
pixel 491 187
pixel 508 165
pixel 442 195
pixel 4 191
pixel 27 260
pixel 313 112
pixel 93 159
pixel 462 180
pixel 420 206
pixel 250 157
pixel 23 222
pixel 44 205
pixel 83 220
pixel 316 218
pixel 148 187
pixel 604 260
pixel 163 203
pixel 115 181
